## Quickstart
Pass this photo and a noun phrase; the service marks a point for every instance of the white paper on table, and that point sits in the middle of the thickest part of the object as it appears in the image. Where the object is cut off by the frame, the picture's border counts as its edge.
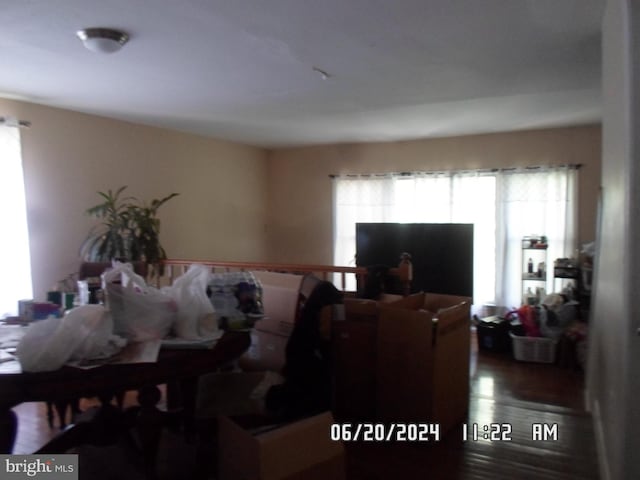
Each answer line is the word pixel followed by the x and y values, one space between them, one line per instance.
pixel 134 352
pixel 201 343
pixel 10 336
pixel 10 366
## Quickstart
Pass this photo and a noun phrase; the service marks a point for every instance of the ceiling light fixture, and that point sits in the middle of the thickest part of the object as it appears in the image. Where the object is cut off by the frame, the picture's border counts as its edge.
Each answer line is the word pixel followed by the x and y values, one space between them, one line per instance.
pixel 102 40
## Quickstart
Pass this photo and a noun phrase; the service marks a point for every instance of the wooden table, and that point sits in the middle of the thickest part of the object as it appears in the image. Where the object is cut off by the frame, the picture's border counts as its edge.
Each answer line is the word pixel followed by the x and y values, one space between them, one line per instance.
pixel 173 366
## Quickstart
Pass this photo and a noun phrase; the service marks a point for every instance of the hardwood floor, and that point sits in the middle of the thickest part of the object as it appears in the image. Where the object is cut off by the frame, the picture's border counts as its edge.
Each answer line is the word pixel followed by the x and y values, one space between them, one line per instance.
pixel 502 391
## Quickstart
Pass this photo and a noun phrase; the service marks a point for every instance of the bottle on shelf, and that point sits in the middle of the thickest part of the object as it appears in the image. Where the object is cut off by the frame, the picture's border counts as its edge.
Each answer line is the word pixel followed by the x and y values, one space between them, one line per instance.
pixel 541 270
pixel 534 268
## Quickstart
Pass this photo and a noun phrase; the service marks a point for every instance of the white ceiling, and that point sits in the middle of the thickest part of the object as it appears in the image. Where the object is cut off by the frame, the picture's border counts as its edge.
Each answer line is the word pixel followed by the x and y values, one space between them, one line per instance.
pixel 243 70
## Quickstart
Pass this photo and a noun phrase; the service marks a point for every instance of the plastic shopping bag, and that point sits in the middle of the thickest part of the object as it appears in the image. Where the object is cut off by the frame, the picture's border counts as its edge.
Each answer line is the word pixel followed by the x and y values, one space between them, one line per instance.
pixel 195 317
pixel 83 333
pixel 96 325
pixel 140 312
pixel 45 346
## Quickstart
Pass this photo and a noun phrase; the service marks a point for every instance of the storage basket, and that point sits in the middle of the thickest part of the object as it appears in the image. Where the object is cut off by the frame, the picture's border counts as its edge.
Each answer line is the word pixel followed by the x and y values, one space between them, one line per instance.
pixel 534 349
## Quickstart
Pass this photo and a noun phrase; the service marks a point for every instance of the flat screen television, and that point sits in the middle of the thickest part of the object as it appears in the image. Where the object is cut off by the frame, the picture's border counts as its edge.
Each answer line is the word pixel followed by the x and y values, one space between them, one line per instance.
pixel 441 253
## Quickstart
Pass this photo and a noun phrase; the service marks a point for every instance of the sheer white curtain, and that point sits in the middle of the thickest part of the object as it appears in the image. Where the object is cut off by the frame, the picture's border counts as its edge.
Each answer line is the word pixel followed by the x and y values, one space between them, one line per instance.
pixel 357 200
pixel 15 281
pixel 503 206
pixel 537 202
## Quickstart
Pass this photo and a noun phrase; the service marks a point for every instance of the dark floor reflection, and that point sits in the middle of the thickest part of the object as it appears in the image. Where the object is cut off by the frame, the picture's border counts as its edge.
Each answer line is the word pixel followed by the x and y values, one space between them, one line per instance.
pixel 514 401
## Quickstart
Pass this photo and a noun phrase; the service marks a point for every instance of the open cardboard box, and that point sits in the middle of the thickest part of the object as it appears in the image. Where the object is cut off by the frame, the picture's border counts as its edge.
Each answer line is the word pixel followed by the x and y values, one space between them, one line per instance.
pixel 385 369
pixel 294 451
pixel 431 302
pixel 354 345
pixel 423 352
pixel 354 349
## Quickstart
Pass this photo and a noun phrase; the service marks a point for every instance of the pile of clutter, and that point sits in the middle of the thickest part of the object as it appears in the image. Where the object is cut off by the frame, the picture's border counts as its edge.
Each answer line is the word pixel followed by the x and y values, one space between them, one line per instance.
pixel 196 308
pixel 550 319
pixel 534 333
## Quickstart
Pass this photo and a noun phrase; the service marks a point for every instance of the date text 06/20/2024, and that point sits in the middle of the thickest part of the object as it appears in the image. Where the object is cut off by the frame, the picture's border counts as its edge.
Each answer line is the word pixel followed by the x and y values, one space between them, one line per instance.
pixel 430 432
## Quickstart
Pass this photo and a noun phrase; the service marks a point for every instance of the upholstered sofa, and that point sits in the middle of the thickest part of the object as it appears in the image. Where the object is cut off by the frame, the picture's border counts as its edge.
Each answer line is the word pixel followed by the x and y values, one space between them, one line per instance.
pixel 282 296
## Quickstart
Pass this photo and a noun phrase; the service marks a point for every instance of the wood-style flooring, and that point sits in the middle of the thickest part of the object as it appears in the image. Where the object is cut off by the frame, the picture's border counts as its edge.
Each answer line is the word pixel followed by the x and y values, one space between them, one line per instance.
pixel 502 391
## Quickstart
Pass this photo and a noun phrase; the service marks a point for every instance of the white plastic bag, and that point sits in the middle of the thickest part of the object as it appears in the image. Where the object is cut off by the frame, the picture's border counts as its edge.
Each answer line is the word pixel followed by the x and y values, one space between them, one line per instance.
pixel 140 312
pixel 83 333
pixel 195 316
pixel 96 325
pixel 45 346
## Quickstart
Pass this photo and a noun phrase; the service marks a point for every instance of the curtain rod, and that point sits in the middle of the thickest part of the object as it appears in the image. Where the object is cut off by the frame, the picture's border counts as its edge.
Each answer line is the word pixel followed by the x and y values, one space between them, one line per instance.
pixel 14 122
pixel 479 170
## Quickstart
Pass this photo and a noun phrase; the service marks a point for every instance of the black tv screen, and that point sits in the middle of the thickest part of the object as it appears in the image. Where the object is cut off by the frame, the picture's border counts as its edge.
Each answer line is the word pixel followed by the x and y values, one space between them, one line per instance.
pixel 441 253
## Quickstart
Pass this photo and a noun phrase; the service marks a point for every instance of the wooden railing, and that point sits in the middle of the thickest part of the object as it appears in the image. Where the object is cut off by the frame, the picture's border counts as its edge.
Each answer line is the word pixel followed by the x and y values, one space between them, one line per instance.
pixel 173 268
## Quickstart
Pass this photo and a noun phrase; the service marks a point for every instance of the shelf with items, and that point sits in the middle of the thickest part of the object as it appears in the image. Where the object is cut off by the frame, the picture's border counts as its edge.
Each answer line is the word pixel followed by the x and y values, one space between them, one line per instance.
pixel 573 272
pixel 535 276
pixel 534 269
pixel 535 242
pixel 573 280
pixel 566 276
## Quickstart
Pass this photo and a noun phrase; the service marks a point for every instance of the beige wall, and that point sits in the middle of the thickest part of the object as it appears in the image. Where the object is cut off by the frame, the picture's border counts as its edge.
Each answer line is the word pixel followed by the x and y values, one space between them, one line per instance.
pixel 225 188
pixel 300 194
pixel 68 157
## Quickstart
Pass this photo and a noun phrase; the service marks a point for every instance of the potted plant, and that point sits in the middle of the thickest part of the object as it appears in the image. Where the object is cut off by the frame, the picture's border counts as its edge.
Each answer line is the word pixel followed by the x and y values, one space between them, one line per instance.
pixel 129 230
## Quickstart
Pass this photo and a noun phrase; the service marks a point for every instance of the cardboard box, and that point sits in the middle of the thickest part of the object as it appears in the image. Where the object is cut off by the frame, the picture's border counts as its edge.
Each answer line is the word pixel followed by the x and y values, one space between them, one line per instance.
pixel 354 350
pixel 354 346
pixel 404 370
pixel 295 451
pixel 422 366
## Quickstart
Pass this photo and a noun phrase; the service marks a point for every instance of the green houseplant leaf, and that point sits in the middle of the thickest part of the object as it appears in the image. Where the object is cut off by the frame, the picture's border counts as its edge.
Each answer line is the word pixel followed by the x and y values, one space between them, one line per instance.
pixel 129 229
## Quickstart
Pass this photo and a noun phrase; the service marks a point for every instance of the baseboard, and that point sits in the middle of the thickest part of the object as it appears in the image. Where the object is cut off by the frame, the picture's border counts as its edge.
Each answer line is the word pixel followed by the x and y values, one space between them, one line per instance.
pixel 601 444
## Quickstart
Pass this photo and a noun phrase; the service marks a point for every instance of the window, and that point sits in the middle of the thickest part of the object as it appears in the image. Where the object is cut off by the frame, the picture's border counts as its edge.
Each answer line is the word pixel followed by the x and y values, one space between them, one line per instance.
pixel 15 281
pixel 503 206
